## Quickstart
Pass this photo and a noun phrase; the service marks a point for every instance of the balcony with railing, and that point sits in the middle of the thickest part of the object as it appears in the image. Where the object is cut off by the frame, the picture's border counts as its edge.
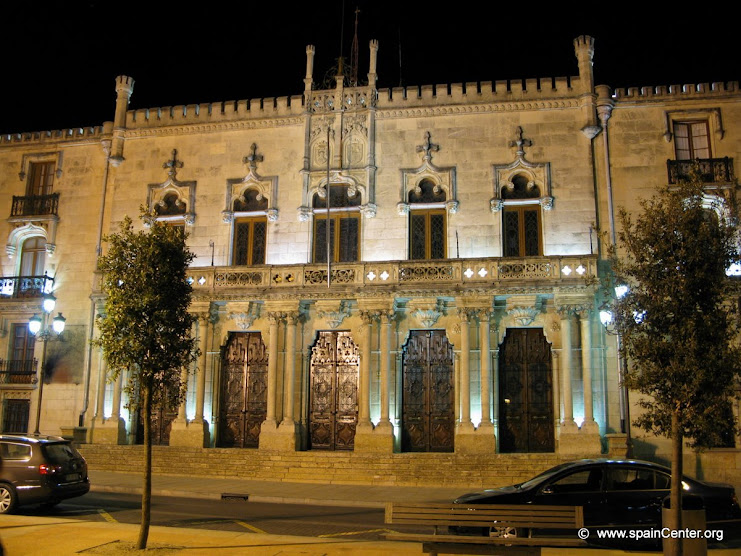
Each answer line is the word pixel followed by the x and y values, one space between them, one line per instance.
pixel 459 274
pixel 35 205
pixel 713 171
pixel 21 287
pixel 18 371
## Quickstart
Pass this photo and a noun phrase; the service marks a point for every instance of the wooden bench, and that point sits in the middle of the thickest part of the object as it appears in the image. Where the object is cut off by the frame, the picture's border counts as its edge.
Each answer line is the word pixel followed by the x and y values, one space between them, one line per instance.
pixel 486 516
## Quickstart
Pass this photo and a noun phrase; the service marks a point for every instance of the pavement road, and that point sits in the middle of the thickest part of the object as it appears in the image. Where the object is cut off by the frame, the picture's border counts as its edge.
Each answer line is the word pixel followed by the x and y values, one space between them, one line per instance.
pixel 233 515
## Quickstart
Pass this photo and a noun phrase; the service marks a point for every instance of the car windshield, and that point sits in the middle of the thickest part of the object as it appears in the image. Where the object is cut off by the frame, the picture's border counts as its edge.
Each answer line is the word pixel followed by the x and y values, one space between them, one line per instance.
pixel 59 453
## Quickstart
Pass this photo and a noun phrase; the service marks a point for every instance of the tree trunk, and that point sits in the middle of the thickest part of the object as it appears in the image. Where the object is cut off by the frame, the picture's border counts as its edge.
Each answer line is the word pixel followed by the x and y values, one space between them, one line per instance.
pixel 673 547
pixel 147 487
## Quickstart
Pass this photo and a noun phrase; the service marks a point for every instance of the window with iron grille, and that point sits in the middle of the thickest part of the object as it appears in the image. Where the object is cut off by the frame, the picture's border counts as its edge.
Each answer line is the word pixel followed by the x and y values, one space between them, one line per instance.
pixel 344 226
pixel 15 416
pixel 250 235
pixel 40 178
pixel 692 140
pixel 521 231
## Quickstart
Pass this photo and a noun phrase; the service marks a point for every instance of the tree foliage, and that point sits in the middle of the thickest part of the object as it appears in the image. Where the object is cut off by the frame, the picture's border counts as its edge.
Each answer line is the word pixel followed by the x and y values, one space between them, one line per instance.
pixel 678 324
pixel 146 330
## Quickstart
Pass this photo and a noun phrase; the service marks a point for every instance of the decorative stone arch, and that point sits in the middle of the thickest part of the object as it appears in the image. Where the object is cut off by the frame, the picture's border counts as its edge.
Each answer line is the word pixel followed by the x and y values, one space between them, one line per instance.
pixel 338 177
pixel 263 189
pixel 442 179
pixel 534 177
pixel 27 231
pixel 172 193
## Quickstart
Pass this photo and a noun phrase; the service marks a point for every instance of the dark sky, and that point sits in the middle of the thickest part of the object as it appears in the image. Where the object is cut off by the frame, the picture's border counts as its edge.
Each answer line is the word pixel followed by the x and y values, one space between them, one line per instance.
pixel 60 57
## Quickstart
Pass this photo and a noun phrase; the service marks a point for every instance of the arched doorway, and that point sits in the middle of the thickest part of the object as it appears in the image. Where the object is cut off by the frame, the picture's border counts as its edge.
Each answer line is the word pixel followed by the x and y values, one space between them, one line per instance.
pixel 525 392
pixel 428 402
pixel 243 392
pixel 333 409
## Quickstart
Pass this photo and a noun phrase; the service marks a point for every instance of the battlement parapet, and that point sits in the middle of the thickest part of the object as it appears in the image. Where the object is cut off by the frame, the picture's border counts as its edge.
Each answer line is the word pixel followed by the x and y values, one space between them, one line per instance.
pixel 72 134
pixel 478 92
pixel 214 112
pixel 675 91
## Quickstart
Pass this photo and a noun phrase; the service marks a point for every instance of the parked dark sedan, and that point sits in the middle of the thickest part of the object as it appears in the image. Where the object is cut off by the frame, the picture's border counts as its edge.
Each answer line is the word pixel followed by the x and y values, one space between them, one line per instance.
pixel 39 469
pixel 622 493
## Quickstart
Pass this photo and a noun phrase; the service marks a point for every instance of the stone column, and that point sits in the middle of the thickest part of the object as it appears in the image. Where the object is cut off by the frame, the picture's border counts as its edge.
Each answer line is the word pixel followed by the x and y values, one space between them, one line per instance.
pixel 586 358
pixel 270 421
pixel 124 89
pixel 589 432
pixel 290 376
pixel 567 421
pixel 385 422
pixel 102 381
pixel 495 374
pixel 364 397
pixel 486 423
pixel 203 331
pixel 465 419
pixel 555 363
pixel 196 432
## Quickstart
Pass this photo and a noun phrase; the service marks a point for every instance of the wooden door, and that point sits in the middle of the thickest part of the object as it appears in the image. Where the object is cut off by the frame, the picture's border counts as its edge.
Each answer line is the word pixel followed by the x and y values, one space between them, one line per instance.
pixel 525 392
pixel 243 393
pixel 333 412
pixel 428 402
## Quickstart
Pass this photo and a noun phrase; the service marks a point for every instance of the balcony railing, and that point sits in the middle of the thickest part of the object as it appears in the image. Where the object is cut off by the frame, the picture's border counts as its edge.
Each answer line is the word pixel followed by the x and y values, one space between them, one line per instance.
pixel 463 273
pixel 712 170
pixel 18 371
pixel 35 205
pixel 16 287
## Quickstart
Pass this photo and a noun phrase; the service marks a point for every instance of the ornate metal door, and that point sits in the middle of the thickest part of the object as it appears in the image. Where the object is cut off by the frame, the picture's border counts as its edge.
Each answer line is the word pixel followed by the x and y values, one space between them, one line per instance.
pixel 244 384
pixel 333 412
pixel 428 403
pixel 161 425
pixel 525 392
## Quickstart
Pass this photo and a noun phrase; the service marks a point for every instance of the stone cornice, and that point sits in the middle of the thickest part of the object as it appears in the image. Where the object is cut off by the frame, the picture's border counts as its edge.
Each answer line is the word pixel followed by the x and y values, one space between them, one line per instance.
pixel 485 108
pixel 214 127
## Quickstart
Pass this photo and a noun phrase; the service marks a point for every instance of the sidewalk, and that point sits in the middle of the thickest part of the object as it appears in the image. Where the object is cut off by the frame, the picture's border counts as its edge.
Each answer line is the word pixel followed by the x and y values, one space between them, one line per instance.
pixel 44 536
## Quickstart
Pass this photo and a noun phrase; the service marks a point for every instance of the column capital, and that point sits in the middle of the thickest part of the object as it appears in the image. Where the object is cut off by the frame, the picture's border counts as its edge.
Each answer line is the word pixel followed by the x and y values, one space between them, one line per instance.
pixel 276 317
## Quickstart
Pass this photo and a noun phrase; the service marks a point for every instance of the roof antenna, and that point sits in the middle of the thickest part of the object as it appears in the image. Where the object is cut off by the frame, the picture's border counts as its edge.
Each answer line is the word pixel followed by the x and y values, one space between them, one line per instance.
pixel 342 39
pixel 354 53
pixel 401 80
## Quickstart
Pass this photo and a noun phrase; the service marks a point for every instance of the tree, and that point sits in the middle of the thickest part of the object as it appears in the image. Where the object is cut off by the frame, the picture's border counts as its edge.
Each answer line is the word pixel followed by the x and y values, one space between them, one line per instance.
pixel 677 321
pixel 146 329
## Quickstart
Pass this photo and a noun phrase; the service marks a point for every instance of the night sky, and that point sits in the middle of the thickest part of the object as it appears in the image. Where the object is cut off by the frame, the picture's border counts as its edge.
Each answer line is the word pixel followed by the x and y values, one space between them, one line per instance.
pixel 60 57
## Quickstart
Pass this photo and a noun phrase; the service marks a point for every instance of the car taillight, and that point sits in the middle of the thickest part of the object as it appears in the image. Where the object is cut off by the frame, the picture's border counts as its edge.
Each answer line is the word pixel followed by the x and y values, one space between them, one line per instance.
pixel 45 469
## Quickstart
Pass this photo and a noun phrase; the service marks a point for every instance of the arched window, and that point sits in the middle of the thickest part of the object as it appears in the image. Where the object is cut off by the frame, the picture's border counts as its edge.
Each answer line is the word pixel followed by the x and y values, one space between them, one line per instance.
pixel 250 228
pixel 171 206
pixel 344 225
pixel 427 222
pixel 33 257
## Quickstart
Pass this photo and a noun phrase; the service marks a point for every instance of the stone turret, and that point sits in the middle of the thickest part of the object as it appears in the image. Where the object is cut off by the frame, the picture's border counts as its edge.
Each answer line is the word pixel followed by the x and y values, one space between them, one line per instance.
pixel 124 89
pixel 584 49
pixel 372 75
pixel 308 80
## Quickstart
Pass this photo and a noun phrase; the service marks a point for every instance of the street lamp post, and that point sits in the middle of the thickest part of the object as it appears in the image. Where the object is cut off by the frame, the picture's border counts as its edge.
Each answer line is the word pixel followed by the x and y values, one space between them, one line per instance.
pixel 38 326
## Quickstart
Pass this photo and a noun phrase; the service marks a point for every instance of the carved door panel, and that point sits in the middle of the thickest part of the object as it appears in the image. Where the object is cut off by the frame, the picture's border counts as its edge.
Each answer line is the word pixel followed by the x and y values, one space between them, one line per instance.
pixel 525 392
pixel 243 397
pixel 428 403
pixel 333 413
pixel 161 425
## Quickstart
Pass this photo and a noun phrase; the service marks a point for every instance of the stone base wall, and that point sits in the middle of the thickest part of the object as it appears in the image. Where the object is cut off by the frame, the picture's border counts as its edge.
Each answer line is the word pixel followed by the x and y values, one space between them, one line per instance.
pixel 472 471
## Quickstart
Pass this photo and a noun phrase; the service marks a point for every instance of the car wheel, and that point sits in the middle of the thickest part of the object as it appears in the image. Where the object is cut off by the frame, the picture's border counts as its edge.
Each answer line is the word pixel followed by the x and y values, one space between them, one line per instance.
pixel 504 532
pixel 8 498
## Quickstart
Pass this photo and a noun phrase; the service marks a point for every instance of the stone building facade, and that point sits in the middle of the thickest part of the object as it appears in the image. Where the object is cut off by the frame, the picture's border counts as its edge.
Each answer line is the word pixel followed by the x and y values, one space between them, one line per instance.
pixel 458 312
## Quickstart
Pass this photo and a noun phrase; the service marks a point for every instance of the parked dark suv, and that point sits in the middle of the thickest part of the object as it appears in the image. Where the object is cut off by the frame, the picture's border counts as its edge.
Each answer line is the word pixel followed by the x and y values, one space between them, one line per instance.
pixel 39 469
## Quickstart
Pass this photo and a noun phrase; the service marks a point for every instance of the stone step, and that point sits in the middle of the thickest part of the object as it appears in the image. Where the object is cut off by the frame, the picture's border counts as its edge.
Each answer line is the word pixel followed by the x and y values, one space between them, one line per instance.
pixel 404 469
